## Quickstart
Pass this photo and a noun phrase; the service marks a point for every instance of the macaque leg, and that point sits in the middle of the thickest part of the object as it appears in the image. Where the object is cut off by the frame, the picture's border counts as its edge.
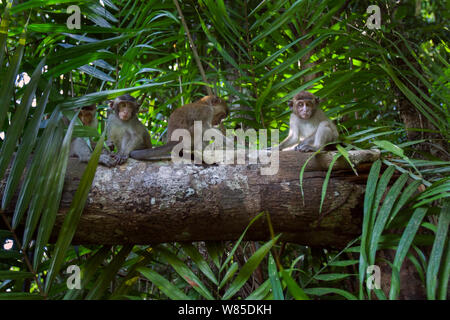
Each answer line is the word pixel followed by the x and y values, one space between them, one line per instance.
pixel 80 149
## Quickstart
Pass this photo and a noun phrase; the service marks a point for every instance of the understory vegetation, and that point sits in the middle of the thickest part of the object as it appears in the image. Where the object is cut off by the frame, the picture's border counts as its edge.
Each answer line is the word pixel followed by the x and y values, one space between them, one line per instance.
pixel 384 88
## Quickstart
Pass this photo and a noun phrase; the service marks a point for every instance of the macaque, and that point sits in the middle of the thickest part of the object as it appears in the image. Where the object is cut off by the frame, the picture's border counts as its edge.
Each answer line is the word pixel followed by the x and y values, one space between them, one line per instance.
pixel 79 147
pixel 211 110
pixel 124 130
pixel 309 127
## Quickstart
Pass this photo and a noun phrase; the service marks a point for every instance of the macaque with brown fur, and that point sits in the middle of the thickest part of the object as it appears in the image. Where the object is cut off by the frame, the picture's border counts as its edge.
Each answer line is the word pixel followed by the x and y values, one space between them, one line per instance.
pixel 309 127
pixel 211 110
pixel 79 147
pixel 124 130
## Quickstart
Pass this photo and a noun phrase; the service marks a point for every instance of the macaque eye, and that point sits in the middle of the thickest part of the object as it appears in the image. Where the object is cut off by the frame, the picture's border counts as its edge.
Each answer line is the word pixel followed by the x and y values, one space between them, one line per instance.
pixel 123 107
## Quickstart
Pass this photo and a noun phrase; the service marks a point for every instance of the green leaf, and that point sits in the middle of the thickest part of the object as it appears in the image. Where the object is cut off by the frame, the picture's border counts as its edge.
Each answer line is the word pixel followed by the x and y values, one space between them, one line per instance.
pixel 327 179
pixel 343 263
pixel 25 148
pixel 73 216
pixel 47 142
pixel 344 152
pixel 277 290
pixel 163 284
pixel 18 121
pixel 4 32
pixel 108 274
pixel 248 268
pixel 261 292
pixel 20 296
pixel 323 291
pixel 8 82
pixel 367 218
pixel 293 288
pixel 332 276
pixel 185 273
pixel 215 250
pixel 200 262
pixel 231 254
pixel 53 191
pixel 403 247
pixel 386 145
pixel 13 275
pixel 230 272
pixel 92 266
pixel 437 251
pixel 383 215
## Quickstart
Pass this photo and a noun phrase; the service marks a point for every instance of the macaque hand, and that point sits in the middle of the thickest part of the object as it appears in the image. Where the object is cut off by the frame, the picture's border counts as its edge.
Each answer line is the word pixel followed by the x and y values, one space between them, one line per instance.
pixel 120 158
pixel 107 160
pixel 302 147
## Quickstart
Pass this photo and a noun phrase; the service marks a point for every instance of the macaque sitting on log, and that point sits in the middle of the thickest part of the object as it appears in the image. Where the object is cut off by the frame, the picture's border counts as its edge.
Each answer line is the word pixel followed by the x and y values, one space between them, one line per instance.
pixel 124 130
pixel 309 127
pixel 211 110
pixel 79 147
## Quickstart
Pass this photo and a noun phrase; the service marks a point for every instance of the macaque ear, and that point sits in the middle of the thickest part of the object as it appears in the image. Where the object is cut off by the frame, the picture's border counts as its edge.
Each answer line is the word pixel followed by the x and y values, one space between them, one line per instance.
pixel 111 103
pixel 215 100
pixel 290 104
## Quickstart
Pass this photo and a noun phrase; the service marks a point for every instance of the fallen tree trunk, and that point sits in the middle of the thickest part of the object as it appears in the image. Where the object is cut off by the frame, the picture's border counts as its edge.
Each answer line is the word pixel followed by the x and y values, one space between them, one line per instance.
pixel 153 202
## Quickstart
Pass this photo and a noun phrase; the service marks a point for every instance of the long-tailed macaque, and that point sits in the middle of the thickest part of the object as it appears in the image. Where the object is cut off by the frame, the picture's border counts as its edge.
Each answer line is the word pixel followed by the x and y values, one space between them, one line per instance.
pixel 309 127
pixel 211 110
pixel 124 129
pixel 79 147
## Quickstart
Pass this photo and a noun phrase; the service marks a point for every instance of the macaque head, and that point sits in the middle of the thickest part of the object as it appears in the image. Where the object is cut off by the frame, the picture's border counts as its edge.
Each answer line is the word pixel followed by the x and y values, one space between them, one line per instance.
pixel 125 107
pixel 304 104
pixel 220 108
pixel 87 114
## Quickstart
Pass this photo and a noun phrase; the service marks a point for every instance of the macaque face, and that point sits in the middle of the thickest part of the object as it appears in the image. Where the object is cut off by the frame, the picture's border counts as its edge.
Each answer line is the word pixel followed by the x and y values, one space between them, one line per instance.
pixel 87 114
pixel 218 118
pixel 125 110
pixel 304 108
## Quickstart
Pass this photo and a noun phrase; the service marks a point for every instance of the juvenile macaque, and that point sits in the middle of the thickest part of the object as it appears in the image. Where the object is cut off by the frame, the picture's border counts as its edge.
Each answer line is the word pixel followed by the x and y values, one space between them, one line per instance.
pixel 124 129
pixel 211 110
pixel 79 147
pixel 309 127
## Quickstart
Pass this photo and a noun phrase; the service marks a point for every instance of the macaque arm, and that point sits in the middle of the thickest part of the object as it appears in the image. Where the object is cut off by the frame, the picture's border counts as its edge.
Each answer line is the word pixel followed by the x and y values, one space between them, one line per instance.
pixel 325 133
pixel 291 139
pixel 294 133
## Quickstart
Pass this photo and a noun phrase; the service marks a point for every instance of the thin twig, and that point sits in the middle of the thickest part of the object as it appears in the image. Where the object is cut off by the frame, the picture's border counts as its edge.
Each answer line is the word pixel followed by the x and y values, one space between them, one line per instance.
pixel 193 47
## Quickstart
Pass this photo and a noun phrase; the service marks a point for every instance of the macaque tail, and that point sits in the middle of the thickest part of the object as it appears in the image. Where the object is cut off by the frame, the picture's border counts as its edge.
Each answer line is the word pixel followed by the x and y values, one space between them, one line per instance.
pixel 158 153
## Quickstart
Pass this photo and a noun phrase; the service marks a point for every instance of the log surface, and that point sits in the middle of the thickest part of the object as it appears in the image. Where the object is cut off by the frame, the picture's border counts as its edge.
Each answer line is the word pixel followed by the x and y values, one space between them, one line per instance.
pixel 153 202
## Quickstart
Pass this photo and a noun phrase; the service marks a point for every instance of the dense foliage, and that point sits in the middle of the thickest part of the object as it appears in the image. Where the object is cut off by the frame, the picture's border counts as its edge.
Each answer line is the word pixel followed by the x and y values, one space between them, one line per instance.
pixel 385 88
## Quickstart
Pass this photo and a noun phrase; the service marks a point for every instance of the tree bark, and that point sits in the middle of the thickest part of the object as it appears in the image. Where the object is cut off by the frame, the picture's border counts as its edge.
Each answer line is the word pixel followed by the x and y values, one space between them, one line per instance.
pixel 153 202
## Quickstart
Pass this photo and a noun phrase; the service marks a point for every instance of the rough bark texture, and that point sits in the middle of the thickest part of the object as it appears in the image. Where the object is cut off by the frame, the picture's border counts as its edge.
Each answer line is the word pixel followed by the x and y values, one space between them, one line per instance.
pixel 152 202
